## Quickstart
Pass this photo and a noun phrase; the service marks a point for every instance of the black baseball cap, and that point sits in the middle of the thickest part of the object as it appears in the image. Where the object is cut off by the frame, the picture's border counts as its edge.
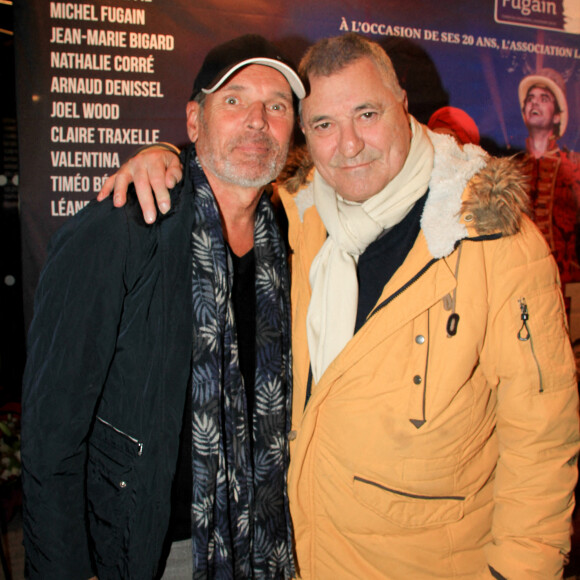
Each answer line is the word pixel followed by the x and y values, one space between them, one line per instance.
pixel 226 59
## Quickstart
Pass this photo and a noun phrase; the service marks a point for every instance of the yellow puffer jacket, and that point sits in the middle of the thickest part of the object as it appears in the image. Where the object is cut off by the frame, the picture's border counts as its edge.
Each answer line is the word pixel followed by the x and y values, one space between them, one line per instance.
pixel 421 455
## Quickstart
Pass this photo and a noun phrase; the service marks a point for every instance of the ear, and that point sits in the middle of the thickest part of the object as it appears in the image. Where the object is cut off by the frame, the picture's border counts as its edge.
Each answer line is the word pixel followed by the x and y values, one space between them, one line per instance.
pixel 192 116
pixel 405 102
pixel 556 119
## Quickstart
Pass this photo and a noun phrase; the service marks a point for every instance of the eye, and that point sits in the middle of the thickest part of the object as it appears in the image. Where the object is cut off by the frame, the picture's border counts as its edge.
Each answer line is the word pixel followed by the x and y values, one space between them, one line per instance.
pixel 324 126
pixel 278 107
pixel 231 101
pixel 368 115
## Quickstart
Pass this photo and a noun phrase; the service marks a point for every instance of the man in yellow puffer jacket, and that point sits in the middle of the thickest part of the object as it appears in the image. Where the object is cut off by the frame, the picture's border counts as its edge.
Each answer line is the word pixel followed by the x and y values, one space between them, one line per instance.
pixel 435 420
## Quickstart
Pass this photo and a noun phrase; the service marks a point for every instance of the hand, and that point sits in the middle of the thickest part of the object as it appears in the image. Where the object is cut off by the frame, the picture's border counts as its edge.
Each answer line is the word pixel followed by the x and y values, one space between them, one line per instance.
pixel 153 171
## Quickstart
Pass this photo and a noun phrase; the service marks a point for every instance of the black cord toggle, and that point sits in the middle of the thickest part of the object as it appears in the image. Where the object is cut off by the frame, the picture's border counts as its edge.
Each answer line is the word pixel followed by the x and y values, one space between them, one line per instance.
pixel 452 323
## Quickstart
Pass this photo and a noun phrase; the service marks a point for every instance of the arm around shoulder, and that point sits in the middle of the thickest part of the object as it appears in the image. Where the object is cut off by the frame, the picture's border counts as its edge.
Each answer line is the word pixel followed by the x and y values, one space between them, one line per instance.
pixel 153 170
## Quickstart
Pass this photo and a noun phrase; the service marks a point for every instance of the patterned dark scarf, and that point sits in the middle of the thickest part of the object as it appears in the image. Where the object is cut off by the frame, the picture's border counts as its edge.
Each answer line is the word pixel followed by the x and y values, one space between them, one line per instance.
pixel 240 518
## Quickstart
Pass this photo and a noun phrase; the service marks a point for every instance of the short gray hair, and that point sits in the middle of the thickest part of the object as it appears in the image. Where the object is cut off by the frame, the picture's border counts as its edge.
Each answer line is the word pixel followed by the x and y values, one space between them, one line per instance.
pixel 330 55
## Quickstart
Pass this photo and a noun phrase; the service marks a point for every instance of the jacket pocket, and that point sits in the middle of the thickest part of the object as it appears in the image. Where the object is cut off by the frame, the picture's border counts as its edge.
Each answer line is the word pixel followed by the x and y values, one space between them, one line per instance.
pixel 111 490
pixel 407 509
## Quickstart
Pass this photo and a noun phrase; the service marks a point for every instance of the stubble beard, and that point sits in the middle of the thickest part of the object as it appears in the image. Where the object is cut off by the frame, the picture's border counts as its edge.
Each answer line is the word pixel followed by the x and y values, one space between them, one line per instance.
pixel 258 173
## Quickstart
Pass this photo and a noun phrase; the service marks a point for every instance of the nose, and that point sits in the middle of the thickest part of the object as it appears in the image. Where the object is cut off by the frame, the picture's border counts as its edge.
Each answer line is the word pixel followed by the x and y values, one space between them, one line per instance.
pixel 350 144
pixel 257 118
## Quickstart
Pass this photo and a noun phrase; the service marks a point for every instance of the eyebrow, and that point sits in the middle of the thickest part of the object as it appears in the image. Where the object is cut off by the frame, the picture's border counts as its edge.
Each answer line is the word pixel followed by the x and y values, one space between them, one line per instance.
pixel 287 96
pixel 357 109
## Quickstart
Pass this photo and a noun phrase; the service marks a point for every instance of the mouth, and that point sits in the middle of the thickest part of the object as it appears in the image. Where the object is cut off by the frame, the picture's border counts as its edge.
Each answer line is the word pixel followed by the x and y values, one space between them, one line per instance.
pixel 254 147
pixel 363 164
pixel 355 168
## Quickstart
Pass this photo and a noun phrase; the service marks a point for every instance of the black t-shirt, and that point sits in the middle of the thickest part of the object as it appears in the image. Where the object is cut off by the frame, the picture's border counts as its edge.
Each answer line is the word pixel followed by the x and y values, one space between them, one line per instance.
pixel 383 257
pixel 244 301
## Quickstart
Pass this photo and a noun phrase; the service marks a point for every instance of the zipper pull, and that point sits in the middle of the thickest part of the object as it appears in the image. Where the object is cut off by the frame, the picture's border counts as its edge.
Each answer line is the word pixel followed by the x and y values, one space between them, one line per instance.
pixel 525 316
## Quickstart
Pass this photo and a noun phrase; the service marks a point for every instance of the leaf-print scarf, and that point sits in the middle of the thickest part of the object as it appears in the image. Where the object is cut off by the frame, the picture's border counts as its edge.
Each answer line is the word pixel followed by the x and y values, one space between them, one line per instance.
pixel 240 518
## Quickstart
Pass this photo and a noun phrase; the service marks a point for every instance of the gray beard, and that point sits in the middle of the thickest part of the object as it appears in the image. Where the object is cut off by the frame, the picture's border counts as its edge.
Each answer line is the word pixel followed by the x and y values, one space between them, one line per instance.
pixel 234 174
pixel 231 173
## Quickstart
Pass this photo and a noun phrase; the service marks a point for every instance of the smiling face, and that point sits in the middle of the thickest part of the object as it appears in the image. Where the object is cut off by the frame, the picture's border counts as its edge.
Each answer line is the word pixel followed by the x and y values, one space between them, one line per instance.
pixel 242 131
pixel 540 109
pixel 357 131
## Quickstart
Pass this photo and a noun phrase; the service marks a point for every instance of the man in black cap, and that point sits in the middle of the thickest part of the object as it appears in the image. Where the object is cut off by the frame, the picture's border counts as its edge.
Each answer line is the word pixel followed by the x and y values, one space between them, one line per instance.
pixel 158 383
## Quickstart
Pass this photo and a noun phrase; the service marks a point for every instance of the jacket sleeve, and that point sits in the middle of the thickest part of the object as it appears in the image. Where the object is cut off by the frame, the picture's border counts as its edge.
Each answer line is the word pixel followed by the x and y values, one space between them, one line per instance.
pixel 71 341
pixel 530 359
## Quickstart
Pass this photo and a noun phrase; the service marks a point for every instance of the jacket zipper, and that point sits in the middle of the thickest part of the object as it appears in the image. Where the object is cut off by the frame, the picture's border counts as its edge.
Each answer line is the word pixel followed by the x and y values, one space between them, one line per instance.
pixel 402 288
pixel 126 435
pixel 525 335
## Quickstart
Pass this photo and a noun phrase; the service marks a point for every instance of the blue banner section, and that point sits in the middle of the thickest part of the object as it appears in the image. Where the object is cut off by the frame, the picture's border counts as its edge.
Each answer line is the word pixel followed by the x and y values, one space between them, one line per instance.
pixel 100 78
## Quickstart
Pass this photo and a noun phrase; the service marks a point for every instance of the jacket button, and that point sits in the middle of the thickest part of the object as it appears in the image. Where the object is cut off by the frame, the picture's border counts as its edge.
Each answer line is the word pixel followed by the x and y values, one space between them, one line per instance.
pixel 417 379
pixel 419 339
pixel 292 435
pixel 122 484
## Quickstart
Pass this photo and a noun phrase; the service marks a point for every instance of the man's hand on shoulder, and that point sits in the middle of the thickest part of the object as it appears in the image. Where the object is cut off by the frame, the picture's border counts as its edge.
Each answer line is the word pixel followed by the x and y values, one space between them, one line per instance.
pixel 154 171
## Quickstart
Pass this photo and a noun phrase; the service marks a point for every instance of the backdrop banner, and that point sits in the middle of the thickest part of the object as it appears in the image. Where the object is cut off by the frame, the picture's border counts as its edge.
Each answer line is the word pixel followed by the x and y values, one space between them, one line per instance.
pixel 100 78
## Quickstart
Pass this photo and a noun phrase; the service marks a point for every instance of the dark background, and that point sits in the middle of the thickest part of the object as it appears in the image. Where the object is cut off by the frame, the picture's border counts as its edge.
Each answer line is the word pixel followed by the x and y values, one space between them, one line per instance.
pixel 11 315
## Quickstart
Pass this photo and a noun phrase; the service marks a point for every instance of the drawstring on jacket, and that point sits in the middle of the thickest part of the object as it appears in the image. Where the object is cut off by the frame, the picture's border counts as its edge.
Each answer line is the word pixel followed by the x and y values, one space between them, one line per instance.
pixel 449 302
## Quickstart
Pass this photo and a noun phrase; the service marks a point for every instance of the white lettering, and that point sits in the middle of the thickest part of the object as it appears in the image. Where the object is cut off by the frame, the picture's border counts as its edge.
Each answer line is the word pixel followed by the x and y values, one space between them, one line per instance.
pixel 80 61
pixel 116 15
pixel 85 159
pixel 101 111
pixel 64 110
pixel 115 38
pixel 137 64
pixel 71 11
pixel 76 85
pixel 66 35
pixel 151 41
pixel 125 88
pixel 128 136
pixel 72 134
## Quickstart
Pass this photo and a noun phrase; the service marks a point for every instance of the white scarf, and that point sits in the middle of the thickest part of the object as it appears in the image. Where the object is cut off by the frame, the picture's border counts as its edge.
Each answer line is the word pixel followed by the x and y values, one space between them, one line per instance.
pixel 351 228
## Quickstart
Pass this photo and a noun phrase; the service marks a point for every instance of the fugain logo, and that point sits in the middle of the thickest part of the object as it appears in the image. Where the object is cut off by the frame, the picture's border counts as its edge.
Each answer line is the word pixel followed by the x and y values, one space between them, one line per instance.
pixel 563 15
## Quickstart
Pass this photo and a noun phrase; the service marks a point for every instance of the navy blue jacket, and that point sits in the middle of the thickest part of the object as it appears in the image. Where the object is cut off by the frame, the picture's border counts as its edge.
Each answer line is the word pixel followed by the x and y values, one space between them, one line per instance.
pixel 109 354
